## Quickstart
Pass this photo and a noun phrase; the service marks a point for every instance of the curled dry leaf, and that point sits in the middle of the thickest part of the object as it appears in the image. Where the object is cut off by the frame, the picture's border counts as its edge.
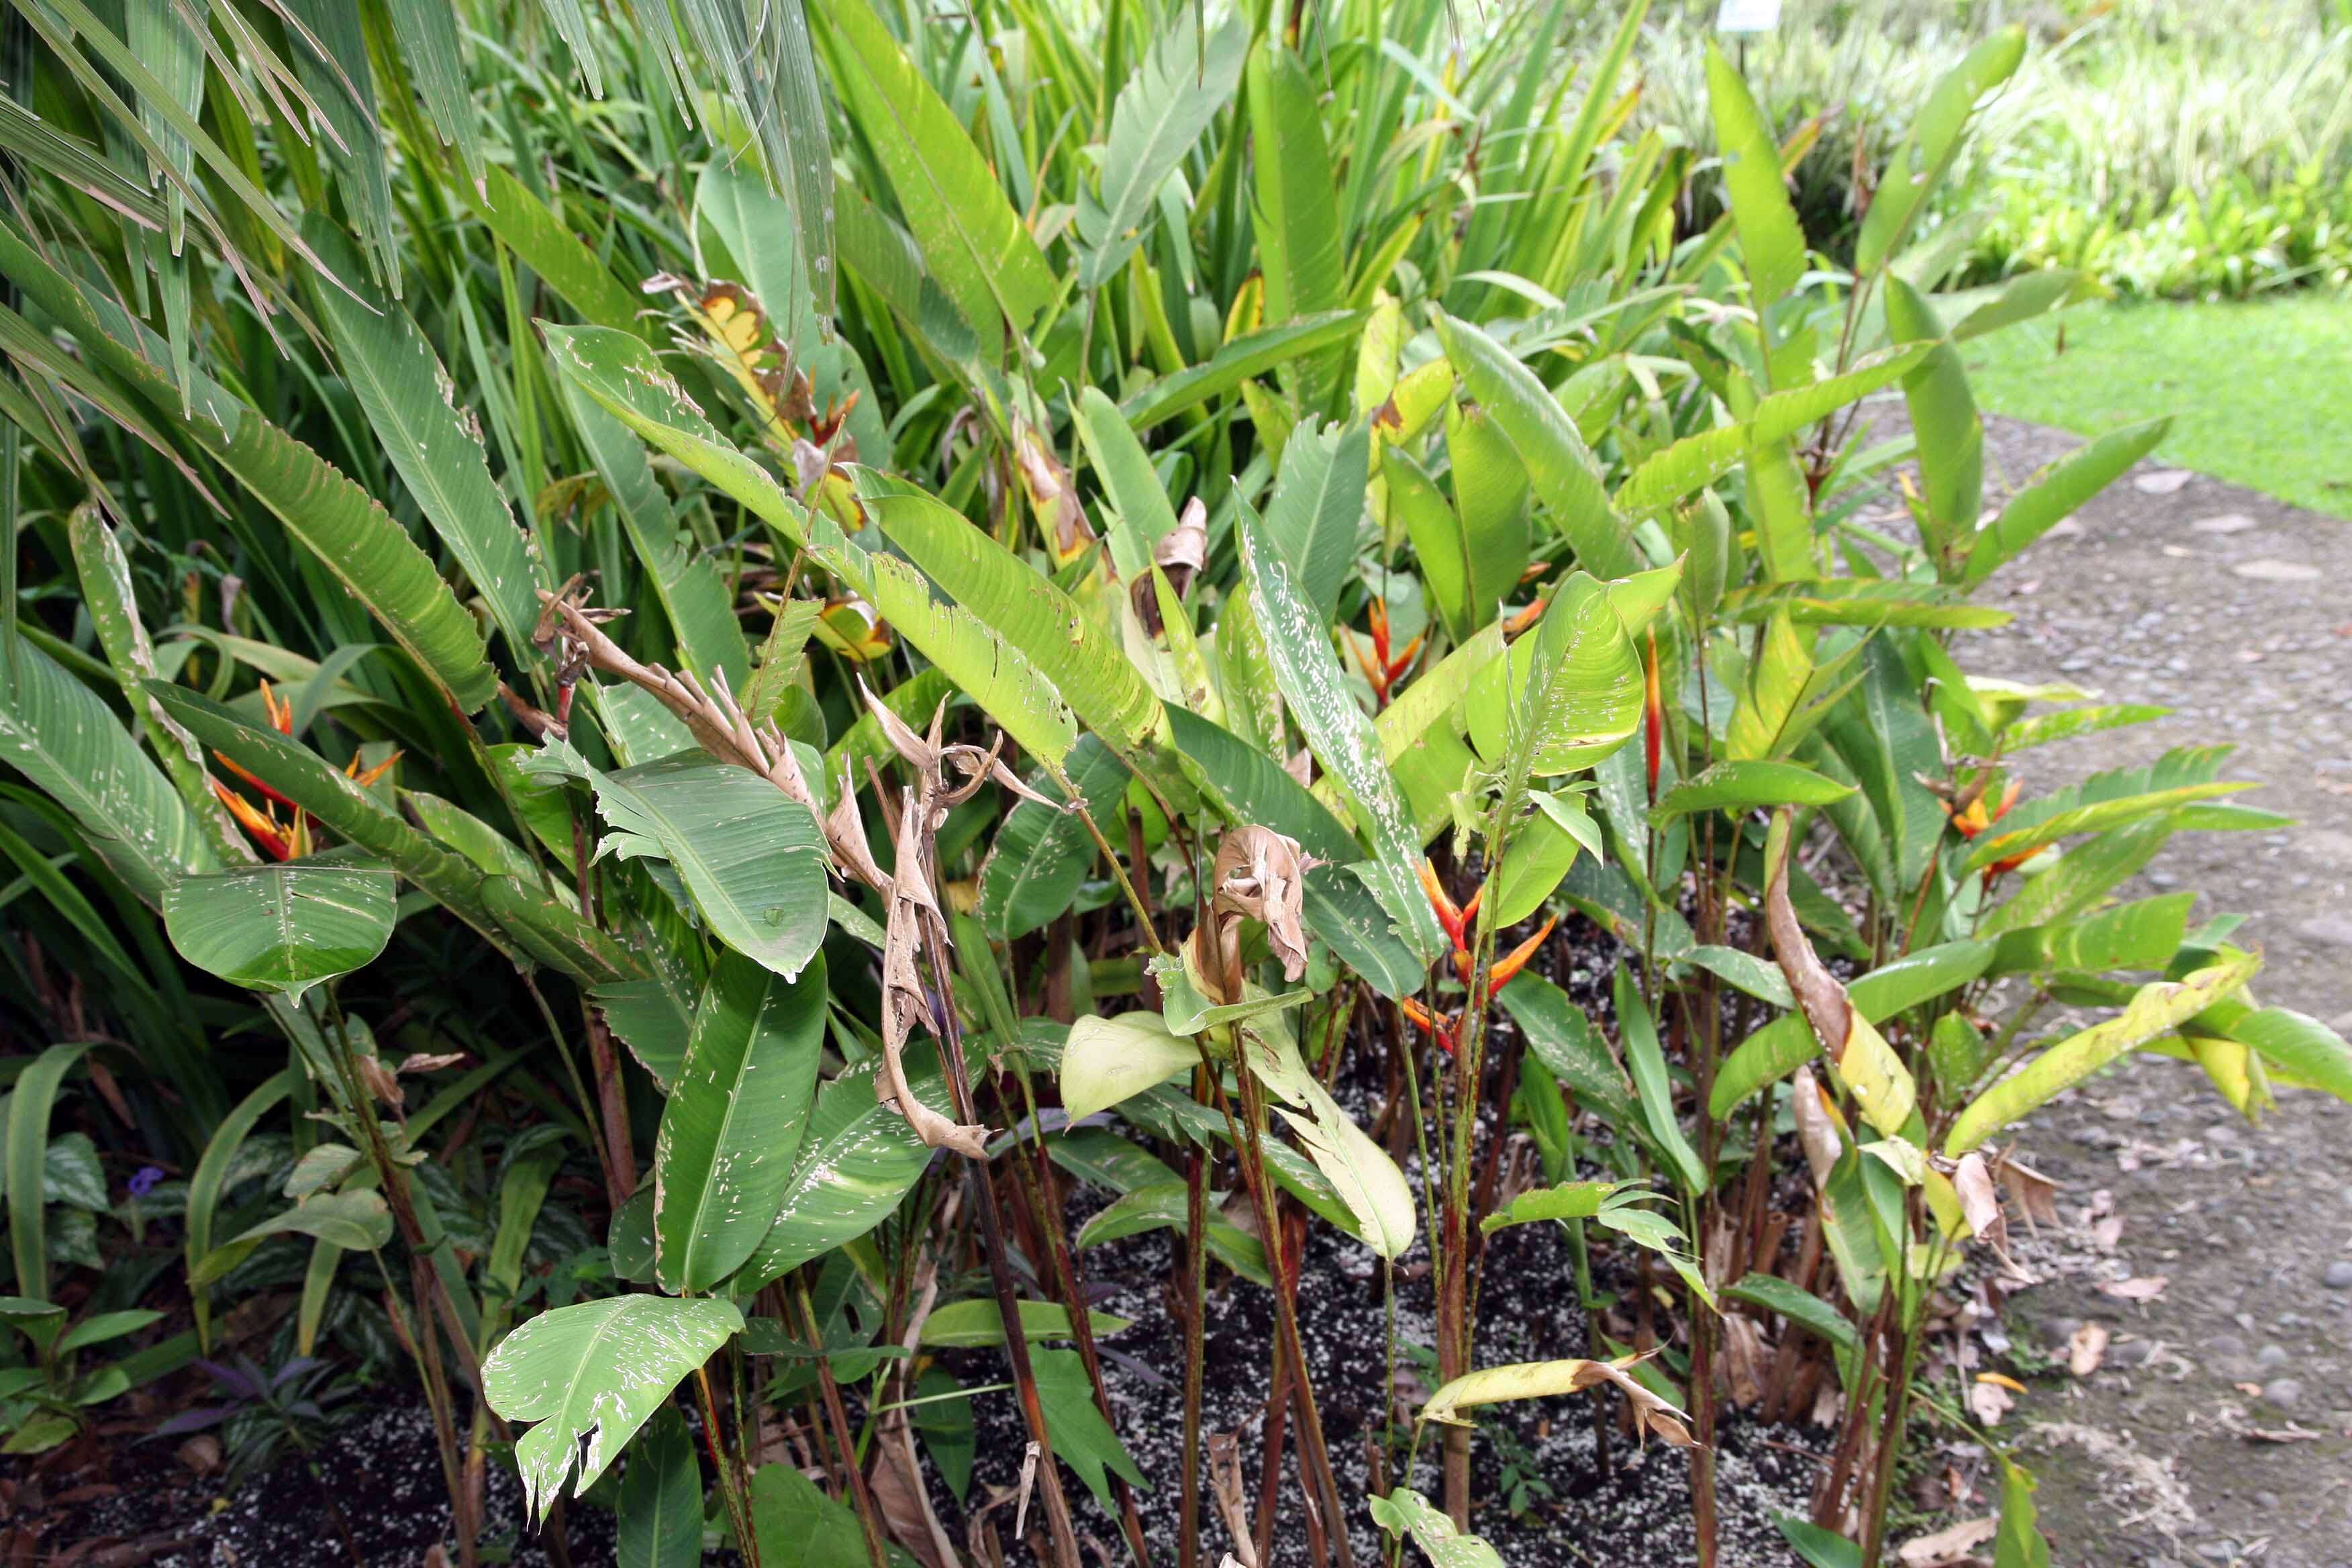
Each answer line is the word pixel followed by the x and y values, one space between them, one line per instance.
pixel 423 1061
pixel 1880 1083
pixel 1231 1495
pixel 2035 1195
pixel 1053 496
pixel 1743 1357
pixel 1260 874
pixel 914 916
pixel 1948 1547
pixel 1981 1203
pixel 2086 1350
pixel 1988 1401
pixel 906 1507
pixel 378 1079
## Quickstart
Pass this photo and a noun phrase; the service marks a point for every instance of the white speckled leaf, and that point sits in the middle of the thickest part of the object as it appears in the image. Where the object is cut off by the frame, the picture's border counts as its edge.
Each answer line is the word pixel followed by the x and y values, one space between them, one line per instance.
pixel 57 732
pixel 594 1373
pixel 734 1119
pixel 857 1161
pixel 1298 644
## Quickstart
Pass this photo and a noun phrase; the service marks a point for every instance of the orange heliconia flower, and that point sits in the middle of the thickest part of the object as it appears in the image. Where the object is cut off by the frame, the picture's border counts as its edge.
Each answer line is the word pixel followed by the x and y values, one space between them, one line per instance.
pixel 1382 670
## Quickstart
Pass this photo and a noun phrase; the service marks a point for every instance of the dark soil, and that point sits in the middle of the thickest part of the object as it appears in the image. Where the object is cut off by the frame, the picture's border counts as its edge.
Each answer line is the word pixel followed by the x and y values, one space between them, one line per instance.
pixel 2240 625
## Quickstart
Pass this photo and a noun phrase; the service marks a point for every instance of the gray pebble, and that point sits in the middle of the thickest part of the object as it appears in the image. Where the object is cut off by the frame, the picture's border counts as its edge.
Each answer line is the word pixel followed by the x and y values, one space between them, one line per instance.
pixel 2271 1355
pixel 2339 1276
pixel 2282 1392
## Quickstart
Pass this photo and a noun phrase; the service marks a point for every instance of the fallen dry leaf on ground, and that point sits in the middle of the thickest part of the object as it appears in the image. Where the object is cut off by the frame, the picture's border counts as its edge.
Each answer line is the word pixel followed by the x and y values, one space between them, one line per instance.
pixel 2088 1349
pixel 1954 1544
pixel 1989 1400
pixel 2142 1289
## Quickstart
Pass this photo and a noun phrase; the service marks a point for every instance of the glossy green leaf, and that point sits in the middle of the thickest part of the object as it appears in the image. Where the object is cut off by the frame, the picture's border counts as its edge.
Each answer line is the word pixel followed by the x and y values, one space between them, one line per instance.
pixel 1176 91
pixel 594 1373
pixel 963 1325
pixel 734 1119
pixel 281 928
pixel 659 1508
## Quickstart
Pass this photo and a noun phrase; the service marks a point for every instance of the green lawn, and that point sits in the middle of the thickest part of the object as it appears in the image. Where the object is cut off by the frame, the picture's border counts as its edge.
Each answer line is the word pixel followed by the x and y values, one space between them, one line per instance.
pixel 2260 394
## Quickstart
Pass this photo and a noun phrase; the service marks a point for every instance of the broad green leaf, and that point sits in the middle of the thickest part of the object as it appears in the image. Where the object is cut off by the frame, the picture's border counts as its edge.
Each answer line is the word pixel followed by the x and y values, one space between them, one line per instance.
pixel 1108 1060
pixel 975 243
pixel 410 403
pixel 2158 1007
pixel 2062 491
pixel 355 1221
pixel 856 1161
pixel 796 1522
pixel 1337 732
pixel 1406 1512
pixel 1021 608
pixel 659 1508
pixel 58 732
pixel 1540 854
pixel 2019 1543
pixel 1176 91
pixel 1366 1181
pixel 281 928
pixel 26 1161
pixel 1787 1043
pixel 1043 853
pixel 1920 163
pixel 1295 208
pixel 977 1322
pixel 594 1373
pixel 1565 1041
pixel 1569 1200
pixel 1819 1547
pixel 692 592
pixel 1167 1205
pixel 754 859
pixel 1316 508
pixel 1564 695
pixel 1558 464
pixel 2297 1047
pixel 1771 242
pixel 546 244
pixel 1802 1307
pixel 1251 788
pixel 1639 1034
pixel 734 1119
pixel 1082 1439
pixel 1737 786
pixel 1949 431
pixel 1244 357
pixel 1141 514
pixel 209 1183
pixel 2143 934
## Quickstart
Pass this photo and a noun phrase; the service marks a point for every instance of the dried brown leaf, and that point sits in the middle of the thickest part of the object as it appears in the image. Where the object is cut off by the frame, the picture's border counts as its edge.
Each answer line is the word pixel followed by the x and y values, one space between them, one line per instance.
pixel 2087 1348
pixel 1948 1547
pixel 1261 874
pixel 2140 1289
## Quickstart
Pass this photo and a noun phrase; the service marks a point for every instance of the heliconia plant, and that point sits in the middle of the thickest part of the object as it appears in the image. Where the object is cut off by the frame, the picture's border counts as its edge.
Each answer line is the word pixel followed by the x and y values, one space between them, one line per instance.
pixel 854 613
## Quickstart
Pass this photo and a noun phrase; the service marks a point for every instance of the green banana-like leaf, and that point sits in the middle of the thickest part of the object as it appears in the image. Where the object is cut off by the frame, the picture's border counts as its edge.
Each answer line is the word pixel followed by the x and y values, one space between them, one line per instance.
pixel 1044 852
pixel 1920 162
pixel 734 1119
pixel 856 1161
pixel 659 1508
pixel 55 731
pixel 1562 697
pixel 1745 786
pixel 1337 732
pixel 1787 1043
pixel 1318 507
pixel 1251 355
pixel 281 928
pixel 2073 481
pixel 752 858
pixel 2159 1007
pixel 407 397
pixel 1176 90
pixel 1770 241
pixel 1558 464
pixel 1023 610
pixel 973 241
pixel 593 1372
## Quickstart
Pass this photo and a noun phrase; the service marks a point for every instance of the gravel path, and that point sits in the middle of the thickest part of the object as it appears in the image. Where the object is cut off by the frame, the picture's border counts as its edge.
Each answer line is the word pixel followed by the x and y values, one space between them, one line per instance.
pixel 2227 606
